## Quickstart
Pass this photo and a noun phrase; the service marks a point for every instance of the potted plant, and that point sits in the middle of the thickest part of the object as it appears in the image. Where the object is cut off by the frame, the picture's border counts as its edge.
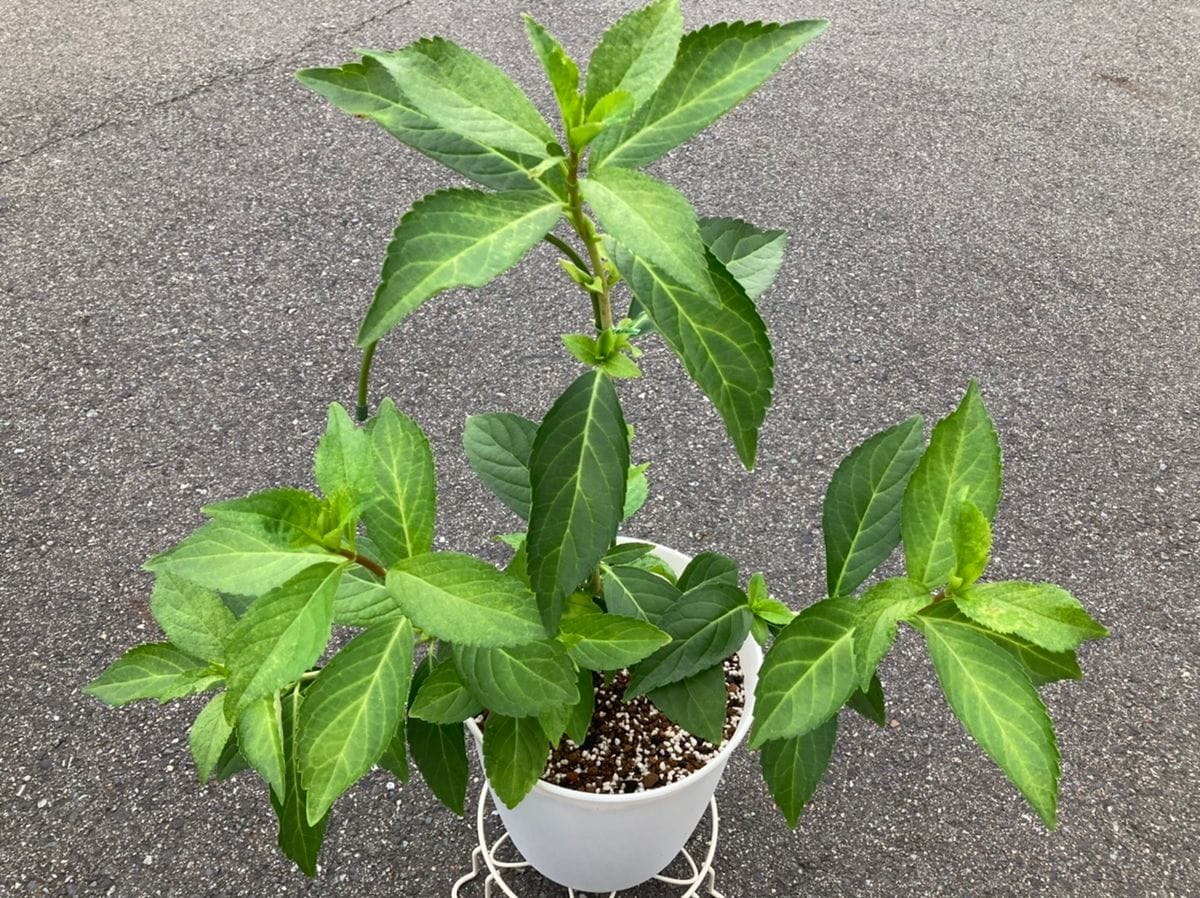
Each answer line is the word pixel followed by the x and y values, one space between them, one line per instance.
pixel 540 658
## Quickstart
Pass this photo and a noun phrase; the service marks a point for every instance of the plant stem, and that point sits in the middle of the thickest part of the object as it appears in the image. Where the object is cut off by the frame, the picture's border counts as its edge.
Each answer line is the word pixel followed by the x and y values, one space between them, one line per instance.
pixel 364 378
pixel 601 303
pixel 364 561
pixel 567 250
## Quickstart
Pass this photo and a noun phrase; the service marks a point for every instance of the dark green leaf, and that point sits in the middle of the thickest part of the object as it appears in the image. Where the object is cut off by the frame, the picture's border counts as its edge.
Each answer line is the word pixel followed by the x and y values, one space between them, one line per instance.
pixel 498 448
pixel 610 641
pixel 514 755
pixel 635 53
pixel 626 553
pixel 156 670
pixel 794 767
pixel 464 600
pixel 698 703
pixel 861 514
pixel 991 694
pixel 717 67
pixel 1045 614
pixel 961 463
pixel 580 717
pixel 395 757
pixel 444 697
pixel 209 736
pixel 194 618
pixel 454 238
pixel 808 674
pixel 870 704
pixel 298 839
pixel 440 753
pixel 521 682
pixel 751 256
pixel 578 469
pixel 708 567
pixel 634 592
pixel 881 608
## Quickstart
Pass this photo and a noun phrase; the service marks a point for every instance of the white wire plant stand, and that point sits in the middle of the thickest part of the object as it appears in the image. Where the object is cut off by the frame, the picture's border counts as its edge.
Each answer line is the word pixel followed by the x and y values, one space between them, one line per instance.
pixel 486 857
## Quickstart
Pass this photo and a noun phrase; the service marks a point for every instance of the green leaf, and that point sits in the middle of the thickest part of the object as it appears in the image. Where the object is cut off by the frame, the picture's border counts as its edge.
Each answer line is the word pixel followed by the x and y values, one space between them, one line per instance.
pixel 395 757
pixel 707 625
pixel 990 693
pixel 610 641
pixel 861 513
pixel 870 702
pixel 243 557
pixel 352 710
pixel 962 463
pixel 156 670
pixel 280 637
pixel 716 68
pixel 466 94
pixel 208 737
pixel 298 839
pixel 634 592
pixel 627 553
pixel 611 110
pixel 260 736
pixel 1045 614
pixel 514 755
pixel 794 767
pixel 643 212
pixel 194 618
pixel 578 468
pixel 362 600
pixel 751 256
pixel 454 238
pixel 343 460
pixel 444 697
pixel 464 600
pixel 808 674
pixel 698 703
pixel 972 538
pixel 637 490
pixel 291 517
pixel 580 717
pixel 635 53
pixel 561 71
pixel 440 752
pixel 708 567
pixel 881 608
pixel 230 763
pixel 723 345
pixel 498 448
pixel 368 89
pixel 582 347
pixel 770 610
pixel 400 519
pixel 524 681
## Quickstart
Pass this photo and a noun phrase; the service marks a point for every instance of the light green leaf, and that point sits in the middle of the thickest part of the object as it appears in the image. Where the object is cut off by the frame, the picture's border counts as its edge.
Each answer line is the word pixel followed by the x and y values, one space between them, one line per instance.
pixel 242 557
pixel 561 71
pixel 808 674
pixel 362 600
pixel 717 67
pixel 751 256
pixel 882 607
pixel 698 703
pixel 972 538
pixel 464 600
pixel 343 460
pixel 292 517
pixel 708 567
pixel 466 94
pixel 643 212
pixel 794 767
pixel 611 110
pixel 209 736
pixel 400 519
pixel 637 490
pixel 770 610
pixel 298 839
pixel 280 637
pixel 962 463
pixel 723 346
pixel 514 755
pixel 260 736
pixel 610 641
pixel 635 53
pixel 351 711
pixel 440 752
pixel 578 467
pixel 454 238
pixel 444 697
pixel 707 625
pixel 990 693
pixel 194 618
pixel 1041 665
pixel 634 592
pixel 580 717
pixel 524 681
pixel 368 89
pixel 155 670
pixel 498 447
pixel 861 513
pixel 1045 614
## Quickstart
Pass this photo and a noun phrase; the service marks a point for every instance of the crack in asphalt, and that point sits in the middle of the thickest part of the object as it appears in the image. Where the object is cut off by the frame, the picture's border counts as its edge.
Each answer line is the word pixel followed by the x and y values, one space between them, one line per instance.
pixel 218 79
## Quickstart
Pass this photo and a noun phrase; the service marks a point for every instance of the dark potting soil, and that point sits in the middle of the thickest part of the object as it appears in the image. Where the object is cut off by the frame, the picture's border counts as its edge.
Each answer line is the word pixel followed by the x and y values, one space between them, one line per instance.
pixel 632 746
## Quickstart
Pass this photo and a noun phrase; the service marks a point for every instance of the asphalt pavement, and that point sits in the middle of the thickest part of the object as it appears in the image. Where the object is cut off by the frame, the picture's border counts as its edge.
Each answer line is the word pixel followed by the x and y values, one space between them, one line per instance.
pixel 991 189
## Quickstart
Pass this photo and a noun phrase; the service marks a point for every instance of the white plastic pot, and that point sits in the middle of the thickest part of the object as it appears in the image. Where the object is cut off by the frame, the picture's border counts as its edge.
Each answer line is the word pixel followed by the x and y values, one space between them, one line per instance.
pixel 605 843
